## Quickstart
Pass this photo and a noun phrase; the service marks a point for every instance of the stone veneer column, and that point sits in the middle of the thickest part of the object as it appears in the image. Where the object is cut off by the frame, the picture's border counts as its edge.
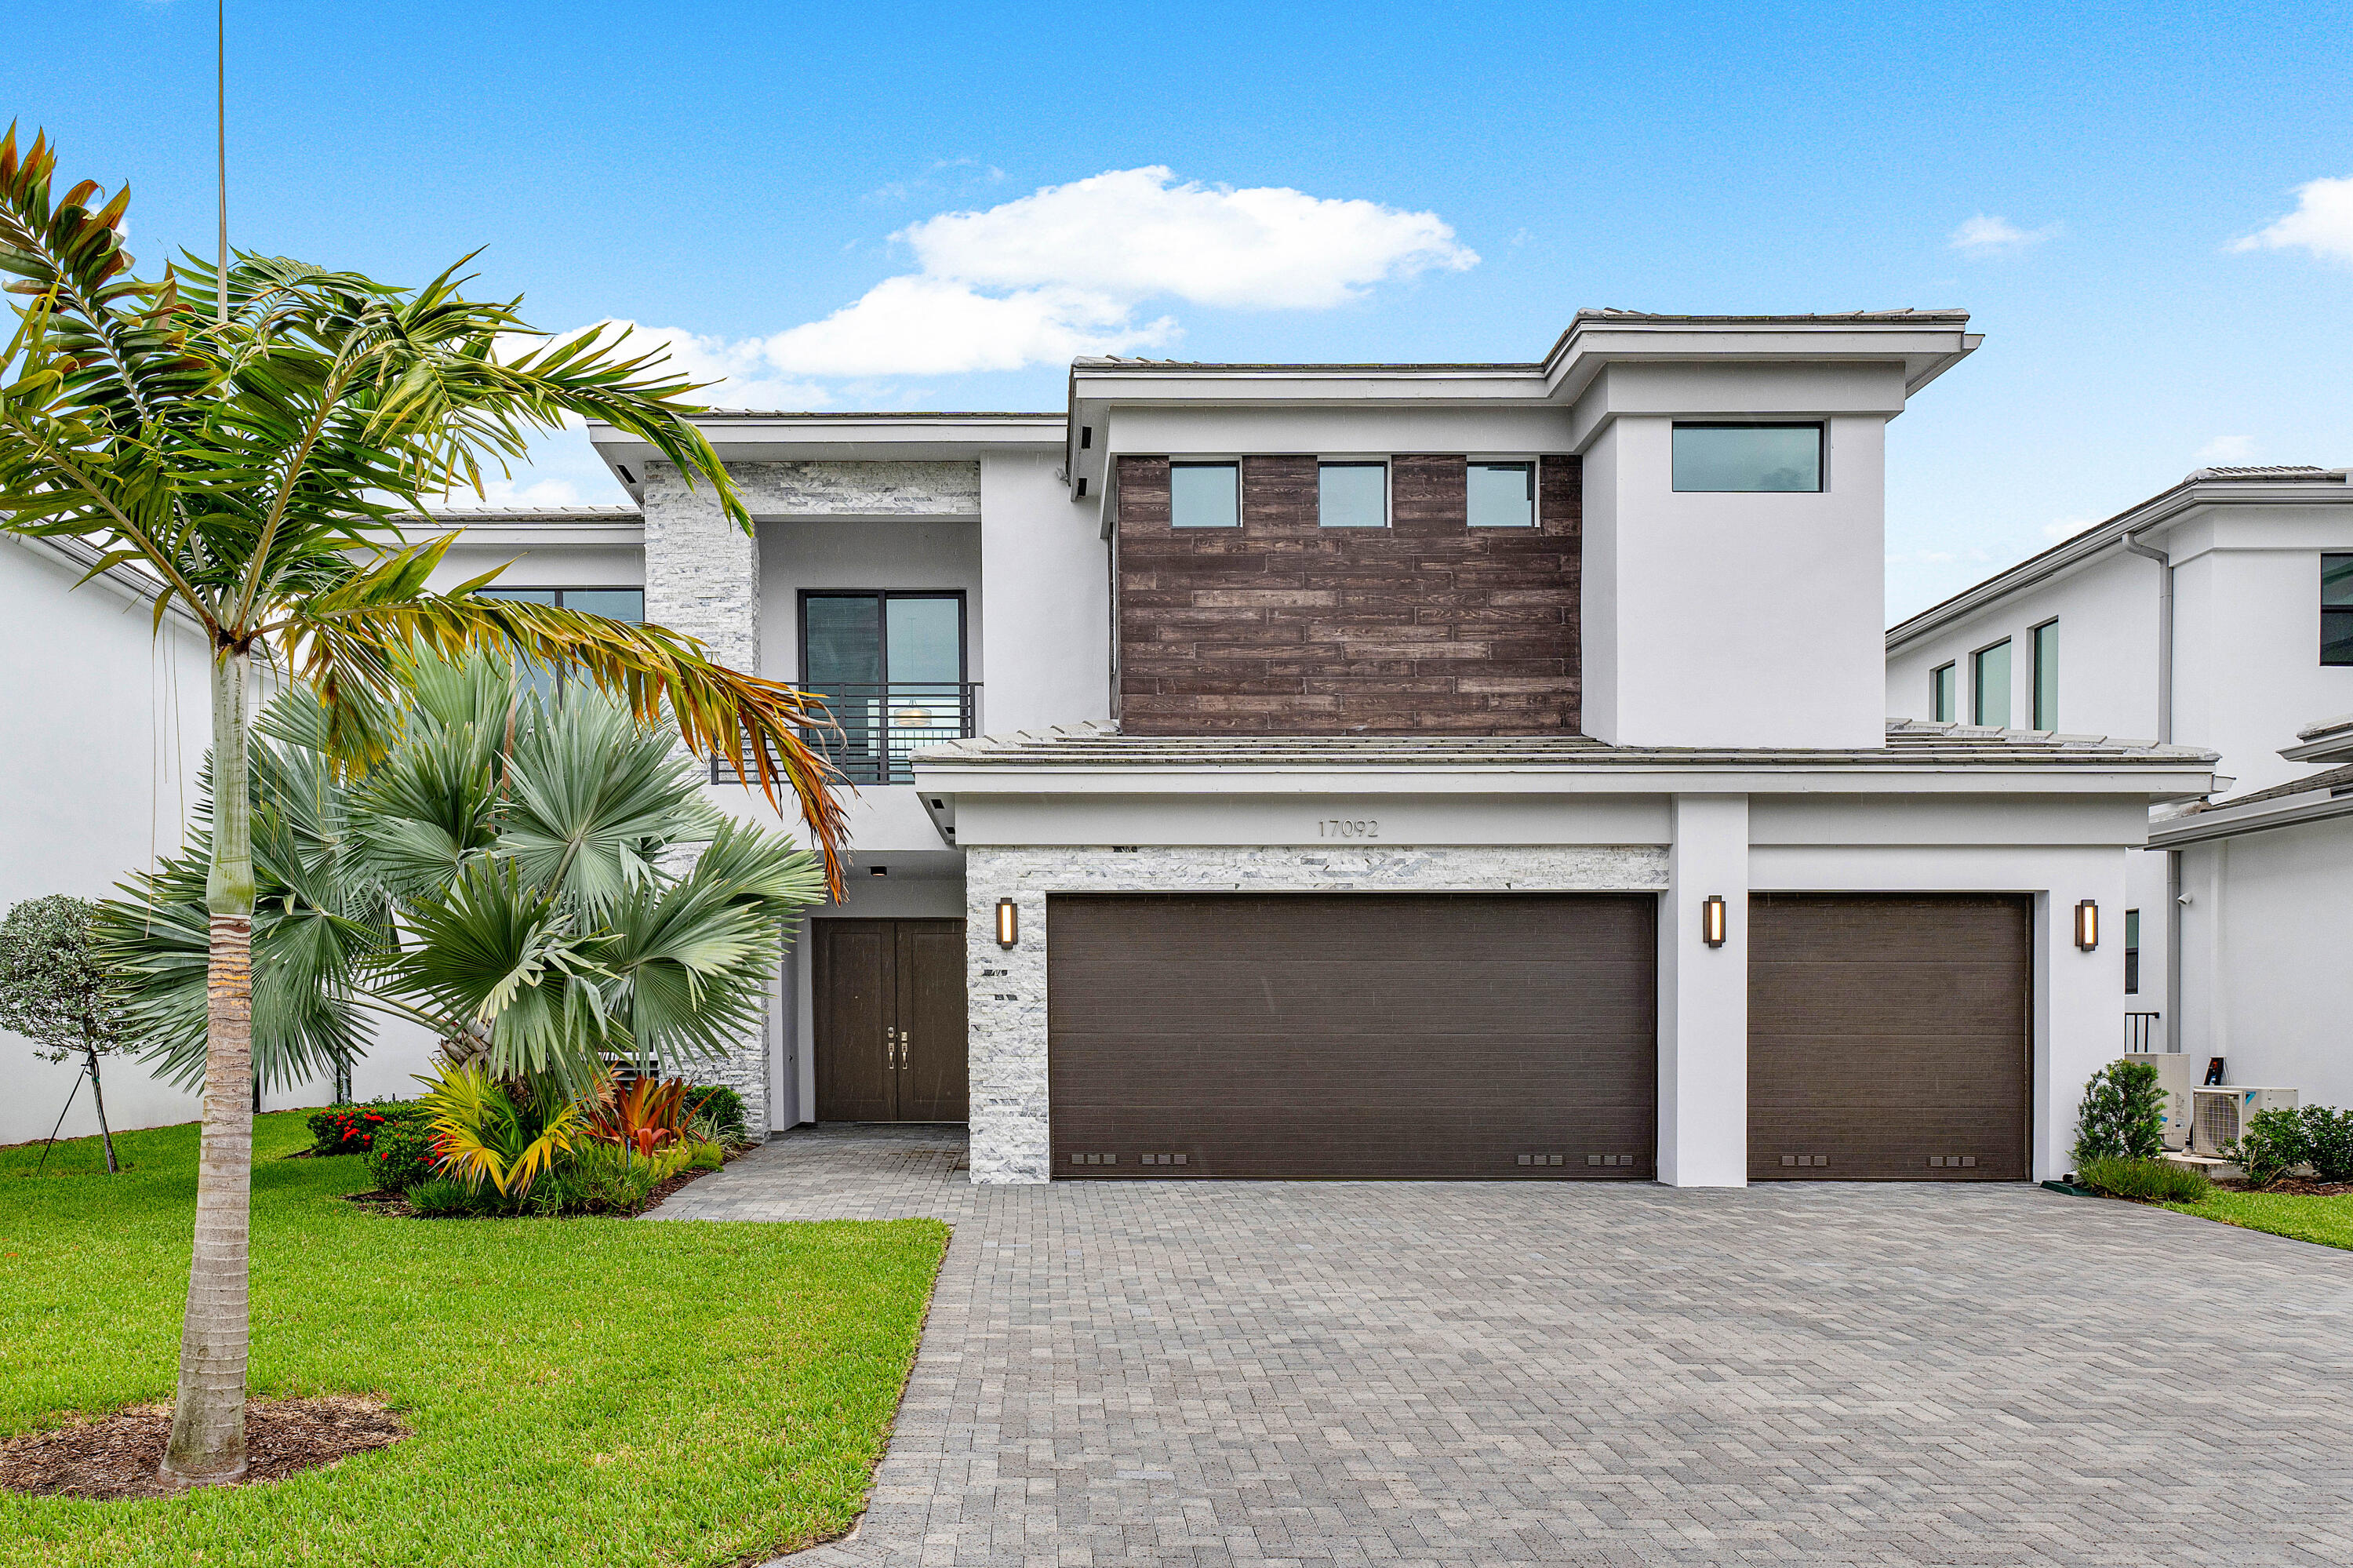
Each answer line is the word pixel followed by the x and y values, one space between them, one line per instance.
pixel 703 578
pixel 1012 1136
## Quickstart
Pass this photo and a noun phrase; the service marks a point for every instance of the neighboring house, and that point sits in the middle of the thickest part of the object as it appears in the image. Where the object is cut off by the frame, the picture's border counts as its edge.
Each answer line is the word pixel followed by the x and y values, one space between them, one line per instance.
pixel 1470 771
pixel 2220 614
pixel 106 716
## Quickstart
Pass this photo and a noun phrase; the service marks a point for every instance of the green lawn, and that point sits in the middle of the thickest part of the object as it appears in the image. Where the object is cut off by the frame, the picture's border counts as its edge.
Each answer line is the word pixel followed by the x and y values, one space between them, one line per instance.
pixel 2328 1221
pixel 596 1391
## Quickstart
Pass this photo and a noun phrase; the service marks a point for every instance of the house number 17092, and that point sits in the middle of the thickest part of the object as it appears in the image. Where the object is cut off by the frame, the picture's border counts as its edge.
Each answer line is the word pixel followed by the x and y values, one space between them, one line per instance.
pixel 1348 827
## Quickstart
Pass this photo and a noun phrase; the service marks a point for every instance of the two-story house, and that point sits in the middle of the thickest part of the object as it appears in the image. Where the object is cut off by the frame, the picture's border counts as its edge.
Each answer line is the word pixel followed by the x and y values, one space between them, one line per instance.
pixel 1471 771
pixel 2218 613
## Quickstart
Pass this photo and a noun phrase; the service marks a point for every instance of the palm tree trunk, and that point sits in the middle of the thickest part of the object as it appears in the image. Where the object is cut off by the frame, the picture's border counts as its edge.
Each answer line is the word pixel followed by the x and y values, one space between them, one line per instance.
pixel 208 1416
pixel 99 1095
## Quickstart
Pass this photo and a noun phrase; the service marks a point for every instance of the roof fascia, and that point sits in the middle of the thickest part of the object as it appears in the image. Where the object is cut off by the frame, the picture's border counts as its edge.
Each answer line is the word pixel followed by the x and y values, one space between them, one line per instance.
pixel 2167 509
pixel 2164 780
pixel 1927 344
pixel 2225 823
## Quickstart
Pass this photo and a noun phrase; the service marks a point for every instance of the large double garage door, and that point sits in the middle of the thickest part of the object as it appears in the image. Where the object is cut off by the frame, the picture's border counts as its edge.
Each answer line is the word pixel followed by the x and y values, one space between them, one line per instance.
pixel 1515 1036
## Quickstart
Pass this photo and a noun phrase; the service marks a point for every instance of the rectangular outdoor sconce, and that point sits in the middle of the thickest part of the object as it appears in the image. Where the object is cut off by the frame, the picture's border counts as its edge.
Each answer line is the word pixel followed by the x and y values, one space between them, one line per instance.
pixel 1711 920
pixel 1008 922
pixel 2087 925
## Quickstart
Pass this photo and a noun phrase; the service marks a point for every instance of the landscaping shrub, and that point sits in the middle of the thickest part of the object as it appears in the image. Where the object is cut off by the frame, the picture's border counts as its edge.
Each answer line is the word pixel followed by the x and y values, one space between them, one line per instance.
pixel 598 1178
pixel 2271 1144
pixel 353 1130
pixel 2153 1180
pixel 402 1157
pixel 705 1157
pixel 2122 1116
pixel 440 1197
pixel 2329 1141
pixel 718 1114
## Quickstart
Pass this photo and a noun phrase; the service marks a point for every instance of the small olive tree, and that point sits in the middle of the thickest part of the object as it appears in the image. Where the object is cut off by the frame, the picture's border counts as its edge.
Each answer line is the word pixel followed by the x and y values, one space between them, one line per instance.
pixel 53 988
pixel 2122 1113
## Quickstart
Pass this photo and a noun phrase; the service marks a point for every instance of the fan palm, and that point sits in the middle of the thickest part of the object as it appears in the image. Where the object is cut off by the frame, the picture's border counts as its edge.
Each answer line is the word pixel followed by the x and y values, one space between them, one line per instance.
pixel 251 446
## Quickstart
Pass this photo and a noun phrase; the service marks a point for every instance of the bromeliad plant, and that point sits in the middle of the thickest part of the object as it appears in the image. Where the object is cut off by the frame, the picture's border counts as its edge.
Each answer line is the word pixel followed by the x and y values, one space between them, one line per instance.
pixel 643 1115
pixel 481 1135
pixel 247 442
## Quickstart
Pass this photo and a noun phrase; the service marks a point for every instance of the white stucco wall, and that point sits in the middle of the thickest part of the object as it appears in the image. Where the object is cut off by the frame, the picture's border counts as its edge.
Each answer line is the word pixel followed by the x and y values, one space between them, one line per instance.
pixel 1043 561
pixel 2271 914
pixel 1732 620
pixel 106 729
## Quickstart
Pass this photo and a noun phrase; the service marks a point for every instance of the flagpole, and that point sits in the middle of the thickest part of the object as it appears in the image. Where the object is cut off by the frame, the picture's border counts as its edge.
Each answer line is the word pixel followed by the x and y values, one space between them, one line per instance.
pixel 220 134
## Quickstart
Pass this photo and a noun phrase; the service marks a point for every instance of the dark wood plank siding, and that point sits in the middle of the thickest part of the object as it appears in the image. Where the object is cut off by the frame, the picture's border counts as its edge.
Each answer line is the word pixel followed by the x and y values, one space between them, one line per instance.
pixel 1353 1035
pixel 1886 1032
pixel 1283 627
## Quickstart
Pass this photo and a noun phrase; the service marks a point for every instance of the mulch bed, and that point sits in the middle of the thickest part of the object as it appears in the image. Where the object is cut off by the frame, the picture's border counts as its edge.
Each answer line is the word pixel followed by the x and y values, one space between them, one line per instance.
pixel 394 1204
pixel 117 1456
pixel 2292 1187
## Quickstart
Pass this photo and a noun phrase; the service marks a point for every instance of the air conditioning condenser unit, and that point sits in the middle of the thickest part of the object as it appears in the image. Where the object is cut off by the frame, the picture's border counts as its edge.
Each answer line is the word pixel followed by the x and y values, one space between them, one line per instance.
pixel 2219 1115
pixel 2177 1074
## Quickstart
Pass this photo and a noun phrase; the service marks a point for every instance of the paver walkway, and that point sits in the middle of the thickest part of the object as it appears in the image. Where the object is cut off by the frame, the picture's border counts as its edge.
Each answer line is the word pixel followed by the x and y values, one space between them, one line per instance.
pixel 1405 1374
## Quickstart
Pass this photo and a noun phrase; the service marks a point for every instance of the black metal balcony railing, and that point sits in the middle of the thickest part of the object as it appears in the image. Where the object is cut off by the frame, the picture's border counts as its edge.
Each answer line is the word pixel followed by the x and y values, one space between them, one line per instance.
pixel 2141 1033
pixel 877 729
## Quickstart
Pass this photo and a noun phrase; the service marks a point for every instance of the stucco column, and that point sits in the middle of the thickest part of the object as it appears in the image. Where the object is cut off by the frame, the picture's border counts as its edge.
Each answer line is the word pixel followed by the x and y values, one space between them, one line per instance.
pixel 2077 1021
pixel 703 578
pixel 1704 998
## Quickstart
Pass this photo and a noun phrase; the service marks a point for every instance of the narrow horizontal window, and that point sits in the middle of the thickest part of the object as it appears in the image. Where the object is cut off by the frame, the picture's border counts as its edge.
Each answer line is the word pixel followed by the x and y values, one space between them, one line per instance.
pixel 1352 494
pixel 1941 683
pixel 1204 494
pixel 2337 610
pixel 1748 457
pixel 1502 494
pixel 1989 685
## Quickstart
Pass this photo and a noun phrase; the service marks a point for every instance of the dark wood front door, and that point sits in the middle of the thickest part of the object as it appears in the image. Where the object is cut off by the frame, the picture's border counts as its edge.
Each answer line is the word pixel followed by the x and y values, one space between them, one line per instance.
pixel 1889 1036
pixel 1353 1036
pixel 889 1007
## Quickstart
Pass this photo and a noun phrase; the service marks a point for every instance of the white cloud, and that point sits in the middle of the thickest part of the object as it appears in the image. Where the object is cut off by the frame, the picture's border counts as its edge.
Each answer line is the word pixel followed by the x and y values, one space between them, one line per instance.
pixel 1983 236
pixel 918 325
pixel 1071 269
pixel 1067 269
pixel 1137 233
pixel 2322 223
pixel 2227 449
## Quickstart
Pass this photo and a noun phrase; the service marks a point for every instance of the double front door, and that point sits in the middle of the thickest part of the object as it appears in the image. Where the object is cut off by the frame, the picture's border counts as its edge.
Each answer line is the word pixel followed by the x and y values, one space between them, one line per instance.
pixel 890 1011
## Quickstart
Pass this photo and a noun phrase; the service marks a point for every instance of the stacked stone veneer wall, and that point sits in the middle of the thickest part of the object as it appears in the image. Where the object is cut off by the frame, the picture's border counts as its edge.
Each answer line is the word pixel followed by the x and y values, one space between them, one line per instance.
pixel 1011 1133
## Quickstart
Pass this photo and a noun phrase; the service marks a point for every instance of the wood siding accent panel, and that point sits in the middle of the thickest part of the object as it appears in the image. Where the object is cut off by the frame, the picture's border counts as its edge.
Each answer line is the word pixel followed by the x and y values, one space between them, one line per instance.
pixel 1886 1031
pixel 1280 626
pixel 1360 1035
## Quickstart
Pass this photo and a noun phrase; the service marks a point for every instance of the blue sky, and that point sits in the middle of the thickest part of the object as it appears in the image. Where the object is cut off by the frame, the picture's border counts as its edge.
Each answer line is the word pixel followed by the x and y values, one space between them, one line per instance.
pixel 1353 182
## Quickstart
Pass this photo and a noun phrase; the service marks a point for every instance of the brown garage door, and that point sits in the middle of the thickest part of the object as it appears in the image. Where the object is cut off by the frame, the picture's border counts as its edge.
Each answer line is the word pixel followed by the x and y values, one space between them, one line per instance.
pixel 1352 1035
pixel 1888 1037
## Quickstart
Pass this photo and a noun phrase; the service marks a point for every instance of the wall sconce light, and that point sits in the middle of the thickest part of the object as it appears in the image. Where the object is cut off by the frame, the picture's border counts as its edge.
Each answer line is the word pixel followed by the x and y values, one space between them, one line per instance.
pixel 1712 920
pixel 2087 925
pixel 1008 922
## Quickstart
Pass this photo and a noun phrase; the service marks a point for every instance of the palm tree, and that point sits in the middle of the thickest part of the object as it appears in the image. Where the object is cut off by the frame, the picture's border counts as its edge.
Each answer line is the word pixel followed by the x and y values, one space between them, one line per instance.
pixel 250 445
pixel 505 877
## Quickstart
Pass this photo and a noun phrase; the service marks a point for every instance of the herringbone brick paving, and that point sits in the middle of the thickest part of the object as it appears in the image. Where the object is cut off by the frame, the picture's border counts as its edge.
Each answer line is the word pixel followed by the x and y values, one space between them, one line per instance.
pixel 1398 1373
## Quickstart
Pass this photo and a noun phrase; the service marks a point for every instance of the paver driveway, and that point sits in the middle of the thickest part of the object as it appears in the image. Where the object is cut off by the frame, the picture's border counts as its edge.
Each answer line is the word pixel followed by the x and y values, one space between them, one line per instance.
pixel 1452 1373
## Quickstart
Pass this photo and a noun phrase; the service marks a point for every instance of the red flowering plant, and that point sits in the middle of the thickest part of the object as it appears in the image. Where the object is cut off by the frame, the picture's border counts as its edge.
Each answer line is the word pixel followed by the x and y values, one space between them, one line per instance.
pixel 353 1130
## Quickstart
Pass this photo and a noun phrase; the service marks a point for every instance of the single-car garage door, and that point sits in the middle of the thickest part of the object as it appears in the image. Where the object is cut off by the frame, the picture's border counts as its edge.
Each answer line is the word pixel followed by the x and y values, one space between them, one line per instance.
pixel 1352 1034
pixel 1888 1036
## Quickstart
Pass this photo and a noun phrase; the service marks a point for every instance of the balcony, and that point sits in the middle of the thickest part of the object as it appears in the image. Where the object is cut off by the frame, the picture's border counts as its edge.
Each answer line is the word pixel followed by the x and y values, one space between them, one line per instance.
pixel 877 729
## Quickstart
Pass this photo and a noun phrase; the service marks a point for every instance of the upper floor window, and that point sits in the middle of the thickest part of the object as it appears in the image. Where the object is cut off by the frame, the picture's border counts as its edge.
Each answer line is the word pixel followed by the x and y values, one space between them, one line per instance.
pixel 1989 685
pixel 1502 494
pixel 2337 610
pixel 612 603
pixel 2046 676
pixel 1748 457
pixel 1205 495
pixel 1352 494
pixel 1942 680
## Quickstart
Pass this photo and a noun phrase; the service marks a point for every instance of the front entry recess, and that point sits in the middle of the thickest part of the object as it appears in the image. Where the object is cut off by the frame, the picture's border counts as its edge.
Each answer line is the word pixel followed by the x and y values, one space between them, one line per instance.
pixel 890 1016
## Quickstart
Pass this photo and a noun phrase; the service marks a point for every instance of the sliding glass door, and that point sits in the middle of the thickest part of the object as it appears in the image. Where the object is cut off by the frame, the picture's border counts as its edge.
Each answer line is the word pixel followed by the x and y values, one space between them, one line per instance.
pixel 891 668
